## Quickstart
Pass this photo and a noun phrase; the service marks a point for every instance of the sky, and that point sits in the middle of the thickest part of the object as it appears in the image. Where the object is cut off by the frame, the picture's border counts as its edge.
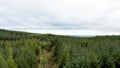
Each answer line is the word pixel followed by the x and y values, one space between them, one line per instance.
pixel 64 17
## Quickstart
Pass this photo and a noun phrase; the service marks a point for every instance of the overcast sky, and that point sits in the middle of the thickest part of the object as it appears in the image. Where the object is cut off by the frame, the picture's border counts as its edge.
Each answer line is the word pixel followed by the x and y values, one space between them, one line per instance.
pixel 66 17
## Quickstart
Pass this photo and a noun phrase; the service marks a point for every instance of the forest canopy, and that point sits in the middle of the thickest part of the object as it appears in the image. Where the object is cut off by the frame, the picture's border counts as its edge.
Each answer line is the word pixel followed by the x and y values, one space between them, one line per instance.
pixel 30 50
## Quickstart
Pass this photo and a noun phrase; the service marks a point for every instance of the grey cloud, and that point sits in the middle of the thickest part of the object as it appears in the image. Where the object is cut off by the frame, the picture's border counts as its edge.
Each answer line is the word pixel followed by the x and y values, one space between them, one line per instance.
pixel 64 15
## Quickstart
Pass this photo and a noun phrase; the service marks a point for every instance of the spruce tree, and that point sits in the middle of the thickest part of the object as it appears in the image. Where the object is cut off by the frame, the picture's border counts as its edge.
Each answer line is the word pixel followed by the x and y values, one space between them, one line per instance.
pixel 10 60
pixel 3 63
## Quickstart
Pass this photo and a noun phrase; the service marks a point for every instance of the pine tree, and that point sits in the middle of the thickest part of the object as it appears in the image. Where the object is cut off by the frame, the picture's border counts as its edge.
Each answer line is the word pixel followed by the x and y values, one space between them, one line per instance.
pixel 3 63
pixel 10 60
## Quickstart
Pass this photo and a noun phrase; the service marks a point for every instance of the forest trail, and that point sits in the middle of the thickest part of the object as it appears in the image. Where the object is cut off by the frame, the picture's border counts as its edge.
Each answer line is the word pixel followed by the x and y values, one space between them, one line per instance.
pixel 48 58
pixel 51 59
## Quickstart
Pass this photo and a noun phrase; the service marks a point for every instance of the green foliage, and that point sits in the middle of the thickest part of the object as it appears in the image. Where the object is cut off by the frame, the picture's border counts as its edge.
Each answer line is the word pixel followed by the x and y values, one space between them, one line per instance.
pixel 3 63
pixel 10 60
pixel 94 52
pixel 63 57
pixel 44 44
pixel 27 50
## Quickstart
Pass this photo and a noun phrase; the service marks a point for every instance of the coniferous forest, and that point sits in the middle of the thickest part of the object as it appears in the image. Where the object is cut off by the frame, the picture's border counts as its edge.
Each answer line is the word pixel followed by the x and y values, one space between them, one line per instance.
pixel 30 50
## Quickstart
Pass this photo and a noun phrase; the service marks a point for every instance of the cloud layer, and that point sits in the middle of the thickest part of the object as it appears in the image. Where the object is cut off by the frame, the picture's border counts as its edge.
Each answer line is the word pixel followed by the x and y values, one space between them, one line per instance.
pixel 85 16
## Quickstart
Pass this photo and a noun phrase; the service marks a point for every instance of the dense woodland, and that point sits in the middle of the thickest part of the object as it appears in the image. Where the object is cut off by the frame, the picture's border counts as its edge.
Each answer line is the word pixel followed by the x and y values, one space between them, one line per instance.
pixel 29 50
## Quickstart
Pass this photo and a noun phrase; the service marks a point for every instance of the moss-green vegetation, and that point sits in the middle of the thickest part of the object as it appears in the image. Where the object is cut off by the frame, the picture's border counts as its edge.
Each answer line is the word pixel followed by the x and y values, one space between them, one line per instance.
pixel 29 50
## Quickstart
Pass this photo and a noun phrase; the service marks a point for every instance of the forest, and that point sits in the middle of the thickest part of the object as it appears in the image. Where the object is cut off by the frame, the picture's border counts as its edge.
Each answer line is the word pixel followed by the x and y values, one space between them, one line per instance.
pixel 31 50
